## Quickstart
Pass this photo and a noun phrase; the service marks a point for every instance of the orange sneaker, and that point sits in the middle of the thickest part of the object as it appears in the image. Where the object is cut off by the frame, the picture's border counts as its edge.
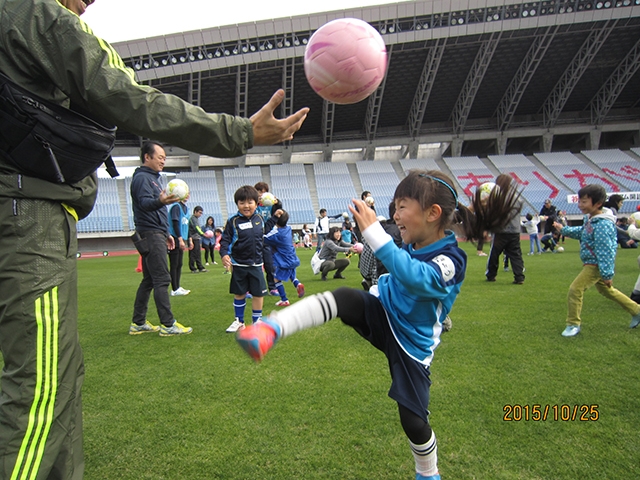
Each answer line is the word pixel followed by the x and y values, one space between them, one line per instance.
pixel 259 338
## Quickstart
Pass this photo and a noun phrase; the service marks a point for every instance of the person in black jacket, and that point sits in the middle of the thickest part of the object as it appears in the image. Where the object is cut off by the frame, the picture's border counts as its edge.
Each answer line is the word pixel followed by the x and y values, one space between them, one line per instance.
pixel 241 247
pixel 551 213
pixel 153 239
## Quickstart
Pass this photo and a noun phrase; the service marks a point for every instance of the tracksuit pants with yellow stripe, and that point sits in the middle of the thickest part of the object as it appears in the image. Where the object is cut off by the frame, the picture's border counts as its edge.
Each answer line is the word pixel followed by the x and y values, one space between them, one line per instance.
pixel 40 400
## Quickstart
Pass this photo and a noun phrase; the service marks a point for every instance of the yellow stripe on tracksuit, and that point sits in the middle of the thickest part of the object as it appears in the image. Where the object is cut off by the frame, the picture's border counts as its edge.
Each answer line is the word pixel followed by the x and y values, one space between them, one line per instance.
pixel 41 412
pixel 115 60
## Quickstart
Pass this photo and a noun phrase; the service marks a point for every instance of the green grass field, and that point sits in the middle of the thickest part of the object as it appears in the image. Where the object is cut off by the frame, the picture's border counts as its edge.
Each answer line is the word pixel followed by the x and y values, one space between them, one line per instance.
pixel 196 407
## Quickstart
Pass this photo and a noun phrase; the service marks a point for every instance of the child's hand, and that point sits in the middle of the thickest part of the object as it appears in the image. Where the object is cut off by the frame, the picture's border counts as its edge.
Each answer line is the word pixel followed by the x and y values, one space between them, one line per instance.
pixel 557 226
pixel 278 213
pixel 365 216
pixel 608 283
pixel 226 261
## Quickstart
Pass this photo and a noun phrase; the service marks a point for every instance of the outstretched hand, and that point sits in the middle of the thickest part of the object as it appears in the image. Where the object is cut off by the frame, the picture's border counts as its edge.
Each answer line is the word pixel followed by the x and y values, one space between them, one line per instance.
pixel 268 130
pixel 364 216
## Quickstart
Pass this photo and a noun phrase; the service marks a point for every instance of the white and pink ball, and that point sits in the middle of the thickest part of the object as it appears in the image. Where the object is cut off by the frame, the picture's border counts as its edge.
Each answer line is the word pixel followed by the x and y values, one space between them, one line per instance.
pixel 345 60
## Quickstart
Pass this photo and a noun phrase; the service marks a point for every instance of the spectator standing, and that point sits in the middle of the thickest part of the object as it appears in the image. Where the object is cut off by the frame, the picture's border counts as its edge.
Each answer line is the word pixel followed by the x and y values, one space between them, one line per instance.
pixel 321 228
pixel 614 203
pixel 507 240
pixel 150 217
pixel 179 230
pixel 549 212
pixel 195 237
pixel 209 243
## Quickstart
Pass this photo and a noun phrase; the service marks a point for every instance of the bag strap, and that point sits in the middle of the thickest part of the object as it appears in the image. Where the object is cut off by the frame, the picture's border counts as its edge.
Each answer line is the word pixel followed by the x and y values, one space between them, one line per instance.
pixel 111 167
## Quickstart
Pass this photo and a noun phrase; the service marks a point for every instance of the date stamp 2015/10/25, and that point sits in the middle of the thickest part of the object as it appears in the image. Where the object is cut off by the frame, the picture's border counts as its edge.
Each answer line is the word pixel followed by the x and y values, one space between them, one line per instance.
pixel 542 413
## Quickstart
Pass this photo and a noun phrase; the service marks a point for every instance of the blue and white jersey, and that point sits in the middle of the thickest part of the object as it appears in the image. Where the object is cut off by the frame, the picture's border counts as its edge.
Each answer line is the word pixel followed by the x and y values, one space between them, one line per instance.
pixel 419 290
pixel 242 240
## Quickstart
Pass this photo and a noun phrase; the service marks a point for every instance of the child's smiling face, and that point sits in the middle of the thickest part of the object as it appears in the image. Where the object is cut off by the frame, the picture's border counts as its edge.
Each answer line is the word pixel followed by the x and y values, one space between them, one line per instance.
pixel 247 207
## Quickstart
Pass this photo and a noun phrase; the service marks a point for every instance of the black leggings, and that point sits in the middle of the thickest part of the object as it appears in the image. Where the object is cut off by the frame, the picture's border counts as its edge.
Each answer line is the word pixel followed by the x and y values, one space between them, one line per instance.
pixel 208 252
pixel 351 312
pixel 176 257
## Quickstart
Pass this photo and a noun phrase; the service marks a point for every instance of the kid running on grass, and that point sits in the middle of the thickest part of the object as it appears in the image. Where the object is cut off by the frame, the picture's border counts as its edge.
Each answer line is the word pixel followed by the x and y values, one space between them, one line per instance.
pixel 598 245
pixel 402 315
pixel 285 259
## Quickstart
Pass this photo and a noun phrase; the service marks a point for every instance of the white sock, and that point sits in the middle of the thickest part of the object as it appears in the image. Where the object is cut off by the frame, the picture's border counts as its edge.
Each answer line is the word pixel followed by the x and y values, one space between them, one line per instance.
pixel 426 456
pixel 309 312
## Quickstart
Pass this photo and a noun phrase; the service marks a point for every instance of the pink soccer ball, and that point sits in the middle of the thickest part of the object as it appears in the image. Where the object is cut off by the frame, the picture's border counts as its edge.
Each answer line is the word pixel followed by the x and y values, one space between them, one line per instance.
pixel 208 234
pixel 345 60
pixel 358 248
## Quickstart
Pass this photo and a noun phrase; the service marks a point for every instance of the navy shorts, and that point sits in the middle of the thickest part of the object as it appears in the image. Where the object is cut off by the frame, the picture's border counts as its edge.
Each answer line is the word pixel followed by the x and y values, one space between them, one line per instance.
pixel 410 380
pixel 248 279
pixel 285 274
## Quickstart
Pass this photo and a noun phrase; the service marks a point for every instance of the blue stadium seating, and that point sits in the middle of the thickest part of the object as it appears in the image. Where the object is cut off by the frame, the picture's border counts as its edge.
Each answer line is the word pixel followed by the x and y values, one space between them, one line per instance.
pixel 558 175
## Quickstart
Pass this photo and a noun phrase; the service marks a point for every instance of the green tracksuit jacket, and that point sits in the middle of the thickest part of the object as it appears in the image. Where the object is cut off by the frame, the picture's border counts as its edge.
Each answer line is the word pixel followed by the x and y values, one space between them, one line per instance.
pixel 51 52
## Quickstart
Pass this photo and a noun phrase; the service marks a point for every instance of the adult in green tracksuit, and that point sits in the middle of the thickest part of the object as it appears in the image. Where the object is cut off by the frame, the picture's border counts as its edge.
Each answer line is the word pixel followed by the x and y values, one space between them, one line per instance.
pixel 47 49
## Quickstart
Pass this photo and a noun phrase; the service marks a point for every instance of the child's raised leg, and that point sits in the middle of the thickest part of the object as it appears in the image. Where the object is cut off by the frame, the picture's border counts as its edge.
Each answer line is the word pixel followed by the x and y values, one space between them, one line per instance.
pixel 258 339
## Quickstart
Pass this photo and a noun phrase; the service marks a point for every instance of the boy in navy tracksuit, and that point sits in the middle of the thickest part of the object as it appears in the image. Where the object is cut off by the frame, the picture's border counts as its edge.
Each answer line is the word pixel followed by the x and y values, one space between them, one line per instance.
pixel 241 248
pixel 285 259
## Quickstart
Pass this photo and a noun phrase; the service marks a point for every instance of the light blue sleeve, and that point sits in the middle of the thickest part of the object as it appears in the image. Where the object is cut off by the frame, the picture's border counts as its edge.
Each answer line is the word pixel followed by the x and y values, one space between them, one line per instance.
pixel 433 279
pixel 605 247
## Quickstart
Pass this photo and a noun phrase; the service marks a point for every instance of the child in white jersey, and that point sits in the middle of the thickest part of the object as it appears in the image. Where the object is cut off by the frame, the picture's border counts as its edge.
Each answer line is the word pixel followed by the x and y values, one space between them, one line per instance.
pixel 401 316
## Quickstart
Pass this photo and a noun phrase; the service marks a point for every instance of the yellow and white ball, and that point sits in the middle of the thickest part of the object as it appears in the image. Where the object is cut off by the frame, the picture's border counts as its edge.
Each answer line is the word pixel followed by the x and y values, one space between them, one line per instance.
pixel 178 188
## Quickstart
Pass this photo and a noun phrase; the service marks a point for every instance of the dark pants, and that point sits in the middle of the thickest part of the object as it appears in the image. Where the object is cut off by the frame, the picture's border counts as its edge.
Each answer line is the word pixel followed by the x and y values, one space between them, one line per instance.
pixel 267 259
pixel 195 257
pixel 208 252
pixel 339 265
pixel 155 276
pixel 410 380
pixel 40 387
pixel 176 259
pixel 509 244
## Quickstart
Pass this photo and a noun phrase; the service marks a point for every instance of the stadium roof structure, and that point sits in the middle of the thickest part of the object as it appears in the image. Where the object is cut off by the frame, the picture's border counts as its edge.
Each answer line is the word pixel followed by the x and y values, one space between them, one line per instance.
pixel 478 76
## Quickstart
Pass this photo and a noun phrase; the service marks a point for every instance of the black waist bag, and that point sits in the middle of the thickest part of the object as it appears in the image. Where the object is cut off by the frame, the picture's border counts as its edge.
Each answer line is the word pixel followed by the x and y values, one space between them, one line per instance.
pixel 51 142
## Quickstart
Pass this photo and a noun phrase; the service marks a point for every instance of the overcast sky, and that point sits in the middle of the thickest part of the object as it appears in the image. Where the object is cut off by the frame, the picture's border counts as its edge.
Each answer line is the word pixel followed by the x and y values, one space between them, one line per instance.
pixel 120 20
